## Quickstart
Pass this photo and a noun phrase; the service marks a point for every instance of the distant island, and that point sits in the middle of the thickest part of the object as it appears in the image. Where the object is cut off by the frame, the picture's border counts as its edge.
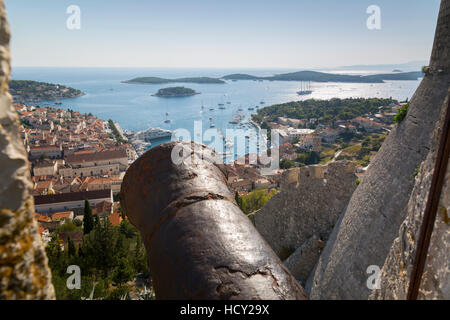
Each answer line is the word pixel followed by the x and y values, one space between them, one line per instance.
pixel 157 80
pixel 293 76
pixel 175 92
pixel 27 91
pixel 328 77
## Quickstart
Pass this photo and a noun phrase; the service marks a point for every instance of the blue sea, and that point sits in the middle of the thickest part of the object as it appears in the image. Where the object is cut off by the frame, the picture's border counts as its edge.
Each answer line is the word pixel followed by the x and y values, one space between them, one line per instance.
pixel 134 107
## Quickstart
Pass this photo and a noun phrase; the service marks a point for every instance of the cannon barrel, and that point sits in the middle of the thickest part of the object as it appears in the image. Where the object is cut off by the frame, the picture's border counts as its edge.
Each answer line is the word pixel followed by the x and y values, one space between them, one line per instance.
pixel 200 244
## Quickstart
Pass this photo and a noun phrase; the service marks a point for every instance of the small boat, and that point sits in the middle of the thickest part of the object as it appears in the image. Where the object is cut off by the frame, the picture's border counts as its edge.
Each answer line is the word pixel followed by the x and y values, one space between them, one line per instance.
pixel 212 125
pixel 262 102
pixel 211 109
pixel 222 108
pixel 251 108
pixel 228 102
pixel 220 104
pixel 167 120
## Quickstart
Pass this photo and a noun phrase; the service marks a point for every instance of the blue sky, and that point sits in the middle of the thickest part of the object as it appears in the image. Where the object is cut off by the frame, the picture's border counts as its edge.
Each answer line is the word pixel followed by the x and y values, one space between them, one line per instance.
pixel 225 34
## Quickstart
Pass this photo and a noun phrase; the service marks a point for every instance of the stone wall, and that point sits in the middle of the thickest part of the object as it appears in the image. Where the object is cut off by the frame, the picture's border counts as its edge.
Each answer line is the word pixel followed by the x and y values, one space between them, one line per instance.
pixel 372 219
pixel 307 207
pixel 396 272
pixel 24 273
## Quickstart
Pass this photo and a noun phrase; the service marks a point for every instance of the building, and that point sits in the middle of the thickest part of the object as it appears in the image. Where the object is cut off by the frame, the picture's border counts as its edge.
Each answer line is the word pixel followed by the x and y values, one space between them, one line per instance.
pixel 289 134
pixel 242 185
pixel 368 124
pixel 45 235
pixel 329 135
pixel 50 151
pixel 311 142
pixel 76 236
pixel 89 164
pixel 103 208
pixel 89 171
pixel 293 122
pixel 68 201
pixel 94 159
pixel 63 215
pixel 101 183
pixel 45 168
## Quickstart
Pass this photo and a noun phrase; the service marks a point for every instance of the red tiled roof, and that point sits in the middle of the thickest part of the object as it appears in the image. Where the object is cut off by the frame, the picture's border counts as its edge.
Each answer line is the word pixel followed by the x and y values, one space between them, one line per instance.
pixel 97 156
pixel 72 196
pixel 62 215
pixel 115 218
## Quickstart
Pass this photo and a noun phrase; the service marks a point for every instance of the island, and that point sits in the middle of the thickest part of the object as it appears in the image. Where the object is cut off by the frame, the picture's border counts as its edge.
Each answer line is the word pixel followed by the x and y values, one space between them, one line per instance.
pixel 157 80
pixel 329 77
pixel 293 76
pixel 175 92
pixel 27 91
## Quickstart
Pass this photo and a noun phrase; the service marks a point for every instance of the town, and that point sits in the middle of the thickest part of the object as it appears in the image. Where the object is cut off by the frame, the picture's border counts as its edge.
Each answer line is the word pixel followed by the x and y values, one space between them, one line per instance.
pixel 73 158
pixel 76 157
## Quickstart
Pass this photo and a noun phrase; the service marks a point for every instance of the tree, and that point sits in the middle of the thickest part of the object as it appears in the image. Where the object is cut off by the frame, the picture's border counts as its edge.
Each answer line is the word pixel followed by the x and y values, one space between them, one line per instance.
pixel 127 229
pixel 255 200
pixel 123 273
pixel 71 251
pixel 140 256
pixel 238 199
pixel 96 220
pixel 88 219
pixel 286 164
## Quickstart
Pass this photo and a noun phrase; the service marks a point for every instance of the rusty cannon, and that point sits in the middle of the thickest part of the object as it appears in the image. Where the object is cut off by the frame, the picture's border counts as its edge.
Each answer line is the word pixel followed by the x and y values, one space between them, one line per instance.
pixel 200 244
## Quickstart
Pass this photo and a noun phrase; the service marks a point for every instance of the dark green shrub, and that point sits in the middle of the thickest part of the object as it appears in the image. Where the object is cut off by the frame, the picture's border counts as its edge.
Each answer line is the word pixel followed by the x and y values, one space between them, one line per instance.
pixel 401 114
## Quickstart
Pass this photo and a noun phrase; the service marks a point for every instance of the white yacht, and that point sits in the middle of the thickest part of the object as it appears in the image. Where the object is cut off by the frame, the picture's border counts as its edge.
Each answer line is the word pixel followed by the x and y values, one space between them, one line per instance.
pixel 153 134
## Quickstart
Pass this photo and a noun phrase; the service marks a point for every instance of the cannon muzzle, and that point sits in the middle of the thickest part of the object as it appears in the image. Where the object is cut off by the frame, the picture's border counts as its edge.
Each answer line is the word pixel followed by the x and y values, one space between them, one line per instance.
pixel 200 244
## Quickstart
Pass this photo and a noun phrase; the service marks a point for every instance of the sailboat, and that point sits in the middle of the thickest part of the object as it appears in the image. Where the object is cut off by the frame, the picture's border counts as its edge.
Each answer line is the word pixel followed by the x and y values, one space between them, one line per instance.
pixel 167 120
pixel 305 88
